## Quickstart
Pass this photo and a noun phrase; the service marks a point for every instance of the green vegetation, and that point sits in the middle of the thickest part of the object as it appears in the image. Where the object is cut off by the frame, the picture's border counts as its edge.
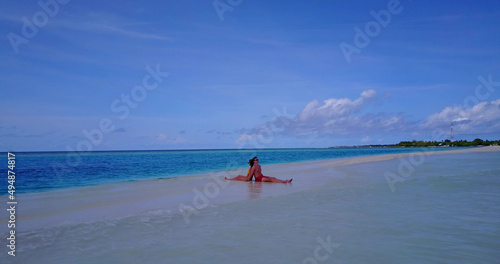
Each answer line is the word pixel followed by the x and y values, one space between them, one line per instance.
pixel 445 143
pixel 460 143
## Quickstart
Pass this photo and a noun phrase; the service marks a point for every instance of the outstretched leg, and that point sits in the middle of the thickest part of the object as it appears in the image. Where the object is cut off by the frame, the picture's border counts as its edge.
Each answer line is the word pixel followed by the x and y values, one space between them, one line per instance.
pixel 274 179
pixel 237 178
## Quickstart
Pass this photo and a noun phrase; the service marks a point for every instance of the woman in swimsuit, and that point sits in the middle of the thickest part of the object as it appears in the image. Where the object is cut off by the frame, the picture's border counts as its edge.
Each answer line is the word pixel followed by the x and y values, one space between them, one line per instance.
pixel 256 171
pixel 242 177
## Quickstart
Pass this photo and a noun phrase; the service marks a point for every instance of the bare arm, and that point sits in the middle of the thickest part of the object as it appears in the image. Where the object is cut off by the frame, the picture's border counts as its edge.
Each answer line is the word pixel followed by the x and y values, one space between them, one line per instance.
pixel 250 174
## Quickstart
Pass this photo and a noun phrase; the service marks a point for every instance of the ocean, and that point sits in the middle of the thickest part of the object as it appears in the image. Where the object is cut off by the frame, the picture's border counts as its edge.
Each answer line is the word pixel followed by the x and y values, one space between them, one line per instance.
pixel 44 171
pixel 444 209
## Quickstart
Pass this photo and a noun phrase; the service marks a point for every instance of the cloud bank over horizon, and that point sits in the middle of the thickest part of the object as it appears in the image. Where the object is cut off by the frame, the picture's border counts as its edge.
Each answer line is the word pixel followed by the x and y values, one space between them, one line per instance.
pixel 349 117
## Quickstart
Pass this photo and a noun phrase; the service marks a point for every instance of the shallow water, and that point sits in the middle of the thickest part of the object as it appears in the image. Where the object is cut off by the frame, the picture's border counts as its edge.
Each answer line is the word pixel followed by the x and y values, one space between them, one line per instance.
pixel 38 172
pixel 446 211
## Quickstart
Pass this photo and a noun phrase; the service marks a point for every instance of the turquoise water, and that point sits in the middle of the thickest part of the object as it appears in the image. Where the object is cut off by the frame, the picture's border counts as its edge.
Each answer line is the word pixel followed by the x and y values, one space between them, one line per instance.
pixel 57 170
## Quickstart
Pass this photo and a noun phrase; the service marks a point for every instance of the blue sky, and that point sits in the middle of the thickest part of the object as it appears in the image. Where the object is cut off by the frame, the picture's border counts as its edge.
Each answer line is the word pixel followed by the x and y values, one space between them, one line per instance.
pixel 246 74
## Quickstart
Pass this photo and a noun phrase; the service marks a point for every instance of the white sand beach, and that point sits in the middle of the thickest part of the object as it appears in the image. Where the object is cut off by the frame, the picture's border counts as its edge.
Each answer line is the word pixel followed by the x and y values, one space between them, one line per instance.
pixel 350 161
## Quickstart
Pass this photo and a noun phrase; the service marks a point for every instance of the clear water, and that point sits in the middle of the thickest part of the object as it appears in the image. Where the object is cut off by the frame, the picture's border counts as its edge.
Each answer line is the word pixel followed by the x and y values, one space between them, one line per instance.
pixel 56 170
pixel 447 211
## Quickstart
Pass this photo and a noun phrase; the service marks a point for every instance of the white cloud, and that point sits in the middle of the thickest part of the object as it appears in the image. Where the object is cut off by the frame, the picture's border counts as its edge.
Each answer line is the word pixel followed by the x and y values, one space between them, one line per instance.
pixel 482 118
pixel 244 138
pixel 460 119
pixel 107 23
pixel 344 117
pixel 335 108
pixel 163 139
pixel 333 117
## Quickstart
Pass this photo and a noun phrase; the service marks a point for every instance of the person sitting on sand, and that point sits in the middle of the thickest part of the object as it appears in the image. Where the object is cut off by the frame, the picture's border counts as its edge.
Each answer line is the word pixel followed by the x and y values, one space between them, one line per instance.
pixel 256 171
pixel 242 177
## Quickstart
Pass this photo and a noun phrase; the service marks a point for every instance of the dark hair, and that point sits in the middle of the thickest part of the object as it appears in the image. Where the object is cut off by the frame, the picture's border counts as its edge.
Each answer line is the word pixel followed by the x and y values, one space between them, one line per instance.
pixel 251 161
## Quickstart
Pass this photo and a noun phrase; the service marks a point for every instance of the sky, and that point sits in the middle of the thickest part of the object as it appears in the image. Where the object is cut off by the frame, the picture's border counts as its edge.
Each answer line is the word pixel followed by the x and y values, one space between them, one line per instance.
pixel 230 74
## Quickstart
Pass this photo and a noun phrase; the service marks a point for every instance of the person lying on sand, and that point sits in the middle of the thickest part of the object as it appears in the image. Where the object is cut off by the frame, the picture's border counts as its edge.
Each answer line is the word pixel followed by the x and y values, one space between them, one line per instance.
pixel 256 171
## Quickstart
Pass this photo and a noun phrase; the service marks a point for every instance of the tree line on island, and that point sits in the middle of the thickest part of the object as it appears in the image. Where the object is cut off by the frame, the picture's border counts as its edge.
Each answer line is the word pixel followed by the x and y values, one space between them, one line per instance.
pixel 444 143
pixel 458 143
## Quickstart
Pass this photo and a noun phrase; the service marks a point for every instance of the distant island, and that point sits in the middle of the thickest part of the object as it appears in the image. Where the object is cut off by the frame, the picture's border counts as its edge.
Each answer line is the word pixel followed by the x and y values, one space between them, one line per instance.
pixel 445 143
pixel 460 143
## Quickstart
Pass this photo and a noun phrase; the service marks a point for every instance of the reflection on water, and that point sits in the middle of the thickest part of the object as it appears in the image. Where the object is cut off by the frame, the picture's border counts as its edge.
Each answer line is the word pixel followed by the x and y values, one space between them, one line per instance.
pixel 254 190
pixel 258 190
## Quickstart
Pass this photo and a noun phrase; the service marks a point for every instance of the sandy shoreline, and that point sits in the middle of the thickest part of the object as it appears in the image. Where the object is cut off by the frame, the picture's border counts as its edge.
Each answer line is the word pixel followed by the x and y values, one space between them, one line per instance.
pixel 356 160
pixel 95 203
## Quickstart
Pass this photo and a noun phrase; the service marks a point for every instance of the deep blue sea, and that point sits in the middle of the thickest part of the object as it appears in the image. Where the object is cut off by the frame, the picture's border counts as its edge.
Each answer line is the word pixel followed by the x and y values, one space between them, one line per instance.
pixel 44 171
